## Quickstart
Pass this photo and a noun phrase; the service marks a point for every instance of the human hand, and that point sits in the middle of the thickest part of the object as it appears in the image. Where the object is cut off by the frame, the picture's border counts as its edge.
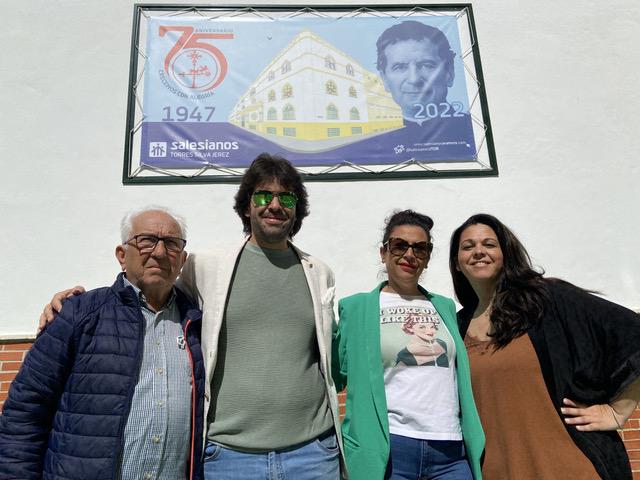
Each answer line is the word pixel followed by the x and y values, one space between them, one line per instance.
pixel 52 308
pixel 589 418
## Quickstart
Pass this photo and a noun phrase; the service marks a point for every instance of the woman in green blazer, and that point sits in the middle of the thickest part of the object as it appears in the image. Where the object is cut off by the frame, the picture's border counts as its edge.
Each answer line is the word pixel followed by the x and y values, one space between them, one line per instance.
pixel 409 412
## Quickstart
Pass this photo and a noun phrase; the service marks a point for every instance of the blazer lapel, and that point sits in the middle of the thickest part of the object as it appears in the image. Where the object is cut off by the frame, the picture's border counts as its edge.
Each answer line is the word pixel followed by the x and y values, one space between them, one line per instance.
pixel 316 299
pixel 371 328
pixel 312 282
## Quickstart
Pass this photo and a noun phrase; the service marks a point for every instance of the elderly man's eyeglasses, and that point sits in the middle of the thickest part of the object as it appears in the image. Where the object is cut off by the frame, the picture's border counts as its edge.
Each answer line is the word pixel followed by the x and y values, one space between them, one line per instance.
pixel 262 198
pixel 147 243
pixel 398 247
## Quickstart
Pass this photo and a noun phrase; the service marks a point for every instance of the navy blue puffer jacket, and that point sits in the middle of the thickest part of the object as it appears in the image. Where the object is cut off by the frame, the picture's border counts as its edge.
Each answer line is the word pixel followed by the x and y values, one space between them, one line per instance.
pixel 67 408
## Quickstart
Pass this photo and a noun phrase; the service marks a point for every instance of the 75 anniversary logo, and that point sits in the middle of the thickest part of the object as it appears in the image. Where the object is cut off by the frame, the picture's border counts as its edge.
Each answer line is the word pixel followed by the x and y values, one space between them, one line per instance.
pixel 193 63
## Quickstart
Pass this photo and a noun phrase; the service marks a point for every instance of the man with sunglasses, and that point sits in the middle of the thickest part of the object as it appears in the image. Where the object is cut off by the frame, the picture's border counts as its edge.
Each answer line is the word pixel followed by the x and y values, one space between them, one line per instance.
pixel 114 387
pixel 267 327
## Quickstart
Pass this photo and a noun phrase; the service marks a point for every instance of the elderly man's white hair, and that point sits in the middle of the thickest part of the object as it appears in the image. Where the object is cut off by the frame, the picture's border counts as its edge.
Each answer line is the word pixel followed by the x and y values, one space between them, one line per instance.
pixel 127 221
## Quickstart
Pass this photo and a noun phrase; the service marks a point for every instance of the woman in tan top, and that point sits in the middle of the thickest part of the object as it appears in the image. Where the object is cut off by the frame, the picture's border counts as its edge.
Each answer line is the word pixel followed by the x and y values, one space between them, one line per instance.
pixel 554 369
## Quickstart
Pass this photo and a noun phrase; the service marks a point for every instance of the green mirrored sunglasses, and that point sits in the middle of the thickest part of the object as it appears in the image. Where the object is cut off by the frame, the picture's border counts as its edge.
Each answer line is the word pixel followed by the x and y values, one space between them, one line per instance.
pixel 262 198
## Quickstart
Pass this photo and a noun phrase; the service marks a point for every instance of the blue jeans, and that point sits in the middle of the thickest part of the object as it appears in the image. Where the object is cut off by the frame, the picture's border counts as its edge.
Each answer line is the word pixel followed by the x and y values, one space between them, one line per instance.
pixel 415 459
pixel 315 460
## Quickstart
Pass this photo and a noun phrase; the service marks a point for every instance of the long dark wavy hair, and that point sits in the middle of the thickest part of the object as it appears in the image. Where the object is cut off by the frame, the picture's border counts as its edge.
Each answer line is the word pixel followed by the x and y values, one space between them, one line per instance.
pixel 520 295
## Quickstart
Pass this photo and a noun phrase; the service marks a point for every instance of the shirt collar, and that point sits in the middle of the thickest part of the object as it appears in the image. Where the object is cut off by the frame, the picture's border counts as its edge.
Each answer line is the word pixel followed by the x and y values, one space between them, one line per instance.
pixel 142 298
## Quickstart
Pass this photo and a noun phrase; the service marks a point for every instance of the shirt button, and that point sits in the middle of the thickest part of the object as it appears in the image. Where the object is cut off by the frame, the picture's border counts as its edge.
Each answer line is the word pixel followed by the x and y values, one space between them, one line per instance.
pixel 155 439
pixel 160 403
pixel 159 371
pixel 148 476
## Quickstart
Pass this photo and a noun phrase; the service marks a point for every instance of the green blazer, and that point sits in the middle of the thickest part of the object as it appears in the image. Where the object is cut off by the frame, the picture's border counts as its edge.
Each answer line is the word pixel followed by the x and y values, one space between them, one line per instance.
pixel 357 364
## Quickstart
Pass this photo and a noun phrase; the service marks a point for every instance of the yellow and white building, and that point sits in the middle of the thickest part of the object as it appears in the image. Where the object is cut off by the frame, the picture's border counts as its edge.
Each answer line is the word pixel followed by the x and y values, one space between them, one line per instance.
pixel 316 95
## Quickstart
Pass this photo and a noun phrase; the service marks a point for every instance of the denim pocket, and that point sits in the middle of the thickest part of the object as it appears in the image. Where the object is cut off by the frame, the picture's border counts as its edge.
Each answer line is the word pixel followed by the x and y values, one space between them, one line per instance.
pixel 328 444
pixel 211 451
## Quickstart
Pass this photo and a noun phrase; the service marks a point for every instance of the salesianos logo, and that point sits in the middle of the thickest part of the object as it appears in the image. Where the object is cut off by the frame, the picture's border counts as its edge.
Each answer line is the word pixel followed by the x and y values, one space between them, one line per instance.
pixel 157 149
pixel 202 150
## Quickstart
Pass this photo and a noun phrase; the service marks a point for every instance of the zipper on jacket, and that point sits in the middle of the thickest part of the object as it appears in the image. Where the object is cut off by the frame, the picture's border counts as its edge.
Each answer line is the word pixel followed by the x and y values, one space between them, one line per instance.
pixel 193 400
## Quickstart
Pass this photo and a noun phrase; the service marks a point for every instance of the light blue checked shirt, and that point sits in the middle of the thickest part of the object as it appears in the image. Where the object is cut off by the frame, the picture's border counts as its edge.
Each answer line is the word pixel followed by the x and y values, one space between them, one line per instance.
pixel 157 432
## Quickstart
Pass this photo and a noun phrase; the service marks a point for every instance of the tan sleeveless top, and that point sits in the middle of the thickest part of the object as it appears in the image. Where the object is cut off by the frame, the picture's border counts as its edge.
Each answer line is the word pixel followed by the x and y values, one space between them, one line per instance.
pixel 526 438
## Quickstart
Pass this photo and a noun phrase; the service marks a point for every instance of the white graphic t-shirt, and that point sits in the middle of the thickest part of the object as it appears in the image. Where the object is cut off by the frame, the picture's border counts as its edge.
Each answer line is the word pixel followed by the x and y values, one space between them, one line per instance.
pixel 418 356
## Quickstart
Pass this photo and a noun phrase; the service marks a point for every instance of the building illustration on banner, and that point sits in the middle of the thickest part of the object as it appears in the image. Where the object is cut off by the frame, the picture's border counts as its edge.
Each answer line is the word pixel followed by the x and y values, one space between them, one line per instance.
pixel 314 97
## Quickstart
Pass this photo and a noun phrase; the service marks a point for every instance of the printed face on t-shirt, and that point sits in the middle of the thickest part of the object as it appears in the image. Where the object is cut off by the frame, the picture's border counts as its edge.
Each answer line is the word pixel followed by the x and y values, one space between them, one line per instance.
pixel 425 331
pixel 413 335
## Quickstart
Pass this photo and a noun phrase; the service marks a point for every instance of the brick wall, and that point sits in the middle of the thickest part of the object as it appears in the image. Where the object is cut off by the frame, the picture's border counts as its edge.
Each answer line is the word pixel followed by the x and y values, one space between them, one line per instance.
pixel 631 437
pixel 12 354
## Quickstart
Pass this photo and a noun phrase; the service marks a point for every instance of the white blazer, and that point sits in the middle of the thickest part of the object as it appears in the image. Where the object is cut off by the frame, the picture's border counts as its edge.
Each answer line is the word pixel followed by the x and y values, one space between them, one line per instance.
pixel 207 277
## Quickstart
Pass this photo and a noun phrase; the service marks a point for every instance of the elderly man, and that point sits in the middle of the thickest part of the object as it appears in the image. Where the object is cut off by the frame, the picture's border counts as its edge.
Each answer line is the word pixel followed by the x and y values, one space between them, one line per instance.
pixel 113 388
pixel 270 403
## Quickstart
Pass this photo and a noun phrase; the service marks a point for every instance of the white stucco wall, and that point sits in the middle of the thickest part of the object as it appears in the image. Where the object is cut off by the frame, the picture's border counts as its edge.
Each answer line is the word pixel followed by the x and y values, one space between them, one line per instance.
pixel 562 83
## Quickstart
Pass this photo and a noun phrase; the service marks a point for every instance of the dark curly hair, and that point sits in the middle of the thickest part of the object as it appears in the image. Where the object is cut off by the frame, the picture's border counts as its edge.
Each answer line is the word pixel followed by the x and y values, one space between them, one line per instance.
pixel 266 168
pixel 407 217
pixel 520 294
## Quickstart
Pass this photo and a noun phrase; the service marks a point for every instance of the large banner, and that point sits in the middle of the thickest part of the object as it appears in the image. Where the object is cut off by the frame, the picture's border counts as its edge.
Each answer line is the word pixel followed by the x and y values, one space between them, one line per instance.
pixel 319 91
